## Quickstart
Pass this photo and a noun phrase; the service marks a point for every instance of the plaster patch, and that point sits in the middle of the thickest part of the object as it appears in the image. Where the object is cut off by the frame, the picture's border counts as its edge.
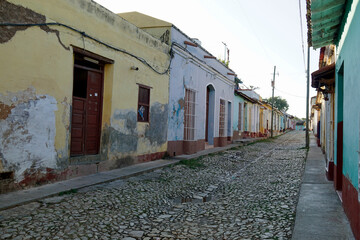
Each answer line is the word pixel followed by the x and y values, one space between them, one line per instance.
pixel 63 154
pixel 181 103
pixel 14 98
pixel 27 136
pixel 5 110
pixel 165 37
pixel 156 131
pixel 11 13
pixel 176 120
pixel 66 113
pixel 122 132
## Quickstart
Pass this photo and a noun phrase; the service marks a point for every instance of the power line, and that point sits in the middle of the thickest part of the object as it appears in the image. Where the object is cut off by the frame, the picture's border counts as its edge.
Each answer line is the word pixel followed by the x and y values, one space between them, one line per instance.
pixel 143 61
pixel 289 93
pixel 252 29
pixel 302 35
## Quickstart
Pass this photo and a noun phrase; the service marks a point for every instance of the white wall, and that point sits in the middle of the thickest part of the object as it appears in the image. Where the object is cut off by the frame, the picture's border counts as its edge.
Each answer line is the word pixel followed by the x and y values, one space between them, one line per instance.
pixel 190 70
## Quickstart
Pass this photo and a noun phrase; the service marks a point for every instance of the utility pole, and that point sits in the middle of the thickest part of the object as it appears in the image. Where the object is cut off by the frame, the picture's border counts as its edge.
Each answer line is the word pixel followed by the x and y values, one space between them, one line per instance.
pixel 272 102
pixel 307 99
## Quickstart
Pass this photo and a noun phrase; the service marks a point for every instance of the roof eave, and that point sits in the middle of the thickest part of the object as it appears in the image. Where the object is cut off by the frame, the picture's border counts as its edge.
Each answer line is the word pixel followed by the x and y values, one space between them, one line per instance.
pixel 327 16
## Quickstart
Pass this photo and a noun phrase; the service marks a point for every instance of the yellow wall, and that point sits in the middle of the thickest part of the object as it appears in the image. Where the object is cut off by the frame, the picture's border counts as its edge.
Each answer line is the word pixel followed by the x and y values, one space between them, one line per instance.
pixel 158 28
pixel 262 120
pixel 38 70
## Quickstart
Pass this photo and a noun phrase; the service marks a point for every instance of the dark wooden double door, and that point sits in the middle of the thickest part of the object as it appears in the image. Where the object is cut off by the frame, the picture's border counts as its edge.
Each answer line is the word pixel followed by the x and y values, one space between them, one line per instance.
pixel 86 112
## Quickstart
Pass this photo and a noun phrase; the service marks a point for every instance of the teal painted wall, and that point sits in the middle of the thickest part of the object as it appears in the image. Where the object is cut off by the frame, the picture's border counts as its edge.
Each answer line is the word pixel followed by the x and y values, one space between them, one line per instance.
pixel 237 100
pixel 349 58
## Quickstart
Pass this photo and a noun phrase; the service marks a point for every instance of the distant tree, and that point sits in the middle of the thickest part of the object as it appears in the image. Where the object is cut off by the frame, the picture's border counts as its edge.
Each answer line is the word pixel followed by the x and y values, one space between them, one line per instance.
pixel 279 103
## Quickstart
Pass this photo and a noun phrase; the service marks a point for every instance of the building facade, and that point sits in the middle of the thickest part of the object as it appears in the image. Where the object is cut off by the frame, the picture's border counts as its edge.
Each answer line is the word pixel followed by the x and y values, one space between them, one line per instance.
pixel 200 94
pixel 344 33
pixel 243 126
pixel 77 96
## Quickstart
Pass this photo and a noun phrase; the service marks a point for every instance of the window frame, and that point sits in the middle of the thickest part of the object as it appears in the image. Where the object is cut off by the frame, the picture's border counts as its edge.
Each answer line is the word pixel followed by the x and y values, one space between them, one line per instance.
pixel 222 118
pixel 143 104
pixel 190 115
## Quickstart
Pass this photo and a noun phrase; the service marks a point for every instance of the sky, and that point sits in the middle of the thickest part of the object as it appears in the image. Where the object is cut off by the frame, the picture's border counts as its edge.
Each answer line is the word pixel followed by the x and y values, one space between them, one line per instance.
pixel 259 34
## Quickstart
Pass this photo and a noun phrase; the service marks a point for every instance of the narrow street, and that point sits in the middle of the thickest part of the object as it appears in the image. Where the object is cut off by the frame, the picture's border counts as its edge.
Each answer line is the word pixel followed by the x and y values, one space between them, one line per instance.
pixel 250 192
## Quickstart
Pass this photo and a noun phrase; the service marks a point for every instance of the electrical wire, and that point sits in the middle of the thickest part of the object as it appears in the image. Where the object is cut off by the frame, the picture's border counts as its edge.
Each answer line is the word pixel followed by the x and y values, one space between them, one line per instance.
pixel 289 93
pixel 302 35
pixel 143 61
pixel 105 44
pixel 252 29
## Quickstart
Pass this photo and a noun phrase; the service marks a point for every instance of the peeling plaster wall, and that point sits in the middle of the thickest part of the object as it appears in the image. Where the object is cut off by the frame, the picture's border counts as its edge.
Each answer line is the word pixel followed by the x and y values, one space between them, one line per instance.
pixel 127 137
pixel 27 132
pixel 123 136
pixel 38 70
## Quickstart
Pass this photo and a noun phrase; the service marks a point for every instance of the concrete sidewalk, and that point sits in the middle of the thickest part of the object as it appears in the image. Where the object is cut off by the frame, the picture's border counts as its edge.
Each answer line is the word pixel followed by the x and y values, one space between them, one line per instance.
pixel 17 198
pixel 319 213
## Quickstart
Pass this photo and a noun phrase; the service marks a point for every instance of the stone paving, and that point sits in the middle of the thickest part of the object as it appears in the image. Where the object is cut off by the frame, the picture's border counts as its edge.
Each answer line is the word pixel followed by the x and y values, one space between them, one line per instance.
pixel 250 192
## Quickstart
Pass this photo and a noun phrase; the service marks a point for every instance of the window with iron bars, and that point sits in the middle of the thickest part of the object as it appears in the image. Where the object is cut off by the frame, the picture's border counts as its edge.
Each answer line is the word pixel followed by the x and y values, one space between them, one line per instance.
pixel 222 118
pixel 189 115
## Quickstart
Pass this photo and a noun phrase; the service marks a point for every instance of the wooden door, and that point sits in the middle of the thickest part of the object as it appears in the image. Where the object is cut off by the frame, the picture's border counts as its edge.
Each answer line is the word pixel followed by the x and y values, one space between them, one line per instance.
pixel 77 126
pixel 93 110
pixel 86 116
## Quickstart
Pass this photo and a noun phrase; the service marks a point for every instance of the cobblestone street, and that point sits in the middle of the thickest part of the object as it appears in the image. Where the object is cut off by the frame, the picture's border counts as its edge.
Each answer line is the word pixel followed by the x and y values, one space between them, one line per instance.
pixel 250 192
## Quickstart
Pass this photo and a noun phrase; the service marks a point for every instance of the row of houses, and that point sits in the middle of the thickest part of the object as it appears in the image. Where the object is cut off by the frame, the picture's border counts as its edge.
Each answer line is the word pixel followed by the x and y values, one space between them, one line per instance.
pixel 334 27
pixel 109 90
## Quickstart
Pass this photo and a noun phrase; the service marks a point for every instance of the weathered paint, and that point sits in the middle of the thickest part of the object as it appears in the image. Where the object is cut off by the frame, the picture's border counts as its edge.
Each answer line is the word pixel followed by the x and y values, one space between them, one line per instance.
pixel 153 132
pixel 17 14
pixel 123 132
pixel 350 60
pixel 42 59
pixel 189 69
pixel 27 133
pixel 347 115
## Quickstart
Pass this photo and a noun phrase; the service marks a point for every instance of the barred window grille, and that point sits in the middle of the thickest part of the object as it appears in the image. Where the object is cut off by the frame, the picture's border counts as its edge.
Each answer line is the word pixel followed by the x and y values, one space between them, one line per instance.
pixel 222 118
pixel 189 115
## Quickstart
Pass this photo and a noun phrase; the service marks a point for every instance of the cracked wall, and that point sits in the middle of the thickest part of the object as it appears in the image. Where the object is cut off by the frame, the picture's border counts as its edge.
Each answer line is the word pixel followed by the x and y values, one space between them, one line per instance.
pixel 27 132
pixel 11 13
